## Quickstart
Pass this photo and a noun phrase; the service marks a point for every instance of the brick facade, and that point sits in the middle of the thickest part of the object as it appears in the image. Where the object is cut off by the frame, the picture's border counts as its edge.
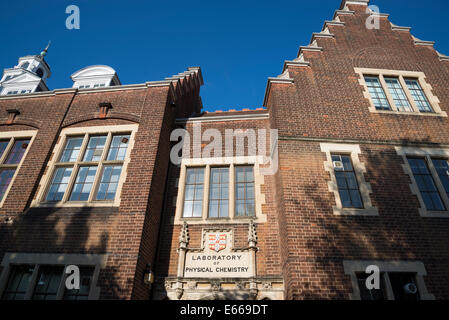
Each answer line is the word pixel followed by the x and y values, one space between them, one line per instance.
pixel 325 103
pixel 118 232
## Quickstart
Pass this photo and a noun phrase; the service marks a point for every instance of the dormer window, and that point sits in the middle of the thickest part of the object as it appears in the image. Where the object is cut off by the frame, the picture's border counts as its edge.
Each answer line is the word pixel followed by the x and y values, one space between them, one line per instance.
pixel 95 77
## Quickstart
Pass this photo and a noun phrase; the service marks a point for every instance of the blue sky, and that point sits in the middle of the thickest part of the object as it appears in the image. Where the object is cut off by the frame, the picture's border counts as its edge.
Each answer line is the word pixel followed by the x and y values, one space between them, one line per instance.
pixel 238 44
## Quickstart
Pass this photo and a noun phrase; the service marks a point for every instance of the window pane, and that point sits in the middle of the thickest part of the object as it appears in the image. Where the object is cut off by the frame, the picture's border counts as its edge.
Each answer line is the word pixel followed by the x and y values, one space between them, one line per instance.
pixel 214 208
pixel 197 208
pixel 18 282
pixel 109 182
pixel 398 281
pixel 347 163
pixel 345 198
pixel 224 176
pixel 427 198
pixel 215 192
pixel 244 191
pixel 355 198
pixel 250 190
pixel 365 293
pixel 398 94
pixel 71 149
pixel 190 176
pixel 418 95
pixel 442 168
pixel 86 276
pixel 426 184
pixel 200 176
pixel 240 191
pixel 59 184
pixel 188 209
pixel 95 148
pixel 17 151
pixel 190 192
pixel 199 192
pixel 348 187
pixel 224 191
pixel 83 183
pixel 351 180
pixel 193 192
pixel 118 148
pixel 341 181
pixel 48 282
pixel 223 209
pixel 5 179
pixel 215 176
pixel 377 93
pixel 240 208
pixel 239 174
pixel 250 208
pixel 218 193
pixel 3 145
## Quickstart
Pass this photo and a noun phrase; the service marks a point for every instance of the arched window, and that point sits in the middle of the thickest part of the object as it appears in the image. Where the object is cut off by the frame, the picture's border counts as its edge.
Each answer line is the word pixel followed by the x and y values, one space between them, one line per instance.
pixel 25 65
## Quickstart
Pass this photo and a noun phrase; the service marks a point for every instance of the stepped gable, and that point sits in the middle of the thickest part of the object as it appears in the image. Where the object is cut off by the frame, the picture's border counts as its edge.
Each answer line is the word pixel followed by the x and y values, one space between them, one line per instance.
pixel 348 10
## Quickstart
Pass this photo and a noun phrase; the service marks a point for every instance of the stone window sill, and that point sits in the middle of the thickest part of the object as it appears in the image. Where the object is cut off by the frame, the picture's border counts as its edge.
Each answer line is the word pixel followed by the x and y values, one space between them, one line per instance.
pixel 74 204
pixel 433 214
pixel 235 220
pixel 406 113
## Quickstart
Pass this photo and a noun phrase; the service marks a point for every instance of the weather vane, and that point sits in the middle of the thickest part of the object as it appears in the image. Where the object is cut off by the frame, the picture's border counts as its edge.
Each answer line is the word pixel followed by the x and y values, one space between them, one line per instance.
pixel 43 53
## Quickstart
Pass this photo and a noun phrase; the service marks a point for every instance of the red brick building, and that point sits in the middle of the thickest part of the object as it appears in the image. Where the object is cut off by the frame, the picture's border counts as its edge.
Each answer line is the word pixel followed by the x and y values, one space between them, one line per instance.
pixel 345 168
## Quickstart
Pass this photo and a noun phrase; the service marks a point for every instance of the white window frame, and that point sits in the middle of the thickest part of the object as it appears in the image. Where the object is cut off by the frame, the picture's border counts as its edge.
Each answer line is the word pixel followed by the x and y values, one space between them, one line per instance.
pixel 96 261
pixel 352 267
pixel 92 84
pixel 13 136
pixel 401 75
pixel 359 170
pixel 231 162
pixel 46 180
pixel 427 154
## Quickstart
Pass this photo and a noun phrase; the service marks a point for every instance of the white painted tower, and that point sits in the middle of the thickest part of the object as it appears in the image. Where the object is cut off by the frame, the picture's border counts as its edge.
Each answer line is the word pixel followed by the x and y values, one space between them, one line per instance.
pixel 29 75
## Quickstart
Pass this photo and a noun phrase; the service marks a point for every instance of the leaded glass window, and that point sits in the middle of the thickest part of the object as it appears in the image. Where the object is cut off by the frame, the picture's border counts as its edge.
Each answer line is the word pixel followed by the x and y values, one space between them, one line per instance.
pixel 398 94
pixel 193 193
pixel 426 184
pixel 244 191
pixel 418 95
pixel 89 168
pixel 377 93
pixel 219 192
pixel 348 187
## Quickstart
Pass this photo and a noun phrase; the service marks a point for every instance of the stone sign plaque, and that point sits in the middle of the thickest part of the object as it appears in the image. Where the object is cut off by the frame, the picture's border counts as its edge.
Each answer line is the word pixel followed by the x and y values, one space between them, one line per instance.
pixel 217 259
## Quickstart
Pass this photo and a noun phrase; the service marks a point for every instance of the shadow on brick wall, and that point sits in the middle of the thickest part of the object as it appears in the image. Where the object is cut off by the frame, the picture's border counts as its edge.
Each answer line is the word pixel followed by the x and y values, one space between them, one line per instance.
pixel 64 230
pixel 398 233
